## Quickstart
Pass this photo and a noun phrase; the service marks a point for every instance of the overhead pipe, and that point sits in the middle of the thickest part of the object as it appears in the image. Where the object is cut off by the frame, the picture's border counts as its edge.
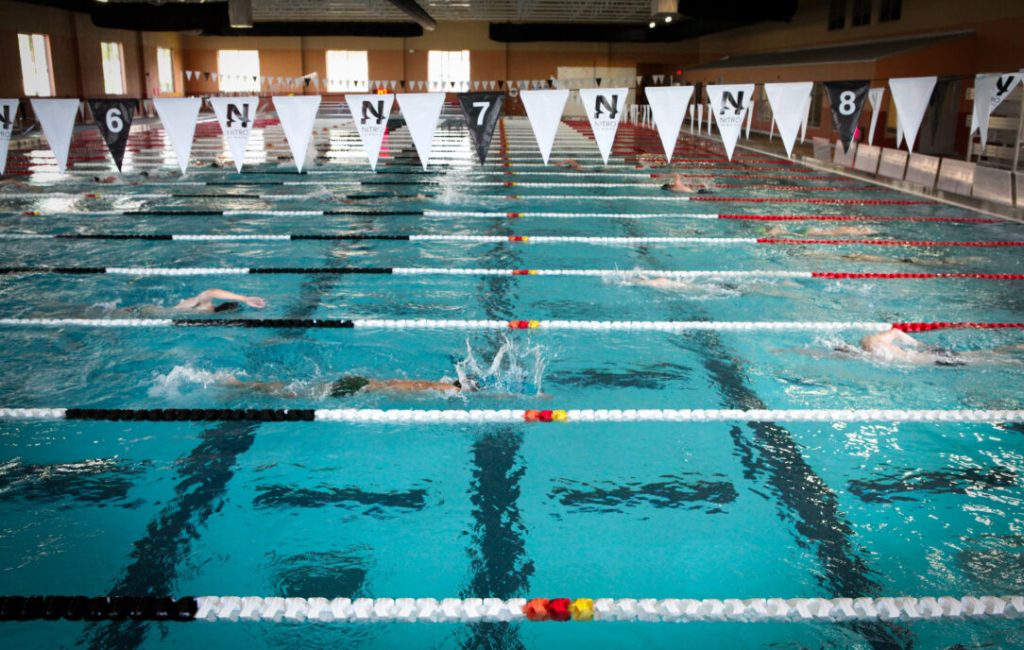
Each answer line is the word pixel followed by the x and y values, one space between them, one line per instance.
pixel 418 14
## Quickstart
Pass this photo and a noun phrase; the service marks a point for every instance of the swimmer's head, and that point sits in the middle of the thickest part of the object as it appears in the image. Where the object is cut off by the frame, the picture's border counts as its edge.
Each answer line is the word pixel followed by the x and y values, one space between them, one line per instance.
pixel 469 386
pixel 667 186
pixel 227 307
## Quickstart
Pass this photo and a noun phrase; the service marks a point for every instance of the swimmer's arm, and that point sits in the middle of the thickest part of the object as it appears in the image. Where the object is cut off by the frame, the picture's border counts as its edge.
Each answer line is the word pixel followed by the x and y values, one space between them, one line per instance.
pixel 407 385
pixel 220 294
pixel 902 337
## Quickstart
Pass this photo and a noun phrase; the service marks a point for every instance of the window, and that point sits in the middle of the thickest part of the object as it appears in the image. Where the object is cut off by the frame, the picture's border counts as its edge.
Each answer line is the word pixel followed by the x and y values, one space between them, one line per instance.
pixel 347 70
pixel 890 10
pixel 165 69
pixel 449 66
pixel 861 13
pixel 35 64
pixel 238 70
pixel 112 55
pixel 836 14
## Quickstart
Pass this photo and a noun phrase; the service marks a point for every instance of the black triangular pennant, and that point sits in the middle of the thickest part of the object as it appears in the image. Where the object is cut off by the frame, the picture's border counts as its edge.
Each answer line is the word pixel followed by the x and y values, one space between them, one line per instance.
pixel 482 111
pixel 501 84
pixel 114 119
pixel 598 79
pixel 403 83
pixel 206 75
pixel 847 100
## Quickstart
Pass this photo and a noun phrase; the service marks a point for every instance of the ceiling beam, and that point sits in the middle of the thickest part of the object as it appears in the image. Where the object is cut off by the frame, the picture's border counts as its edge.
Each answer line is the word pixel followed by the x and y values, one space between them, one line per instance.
pixel 417 13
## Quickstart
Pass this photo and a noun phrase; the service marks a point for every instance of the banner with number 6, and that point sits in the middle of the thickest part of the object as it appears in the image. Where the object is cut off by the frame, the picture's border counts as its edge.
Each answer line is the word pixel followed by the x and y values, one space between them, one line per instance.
pixel 114 119
pixel 482 111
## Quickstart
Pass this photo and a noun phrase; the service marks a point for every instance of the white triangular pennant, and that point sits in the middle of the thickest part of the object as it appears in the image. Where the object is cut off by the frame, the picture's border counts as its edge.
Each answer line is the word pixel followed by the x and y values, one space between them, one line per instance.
pixel 297 114
pixel 750 118
pixel 236 115
pixel 8 114
pixel 179 115
pixel 875 96
pixel 693 114
pixel 370 115
pixel 700 117
pixel 787 101
pixel 188 75
pixel 806 118
pixel 911 95
pixel 989 92
pixel 544 109
pixel 710 110
pixel 668 106
pixel 604 108
pixel 421 111
pixel 729 105
pixel 57 117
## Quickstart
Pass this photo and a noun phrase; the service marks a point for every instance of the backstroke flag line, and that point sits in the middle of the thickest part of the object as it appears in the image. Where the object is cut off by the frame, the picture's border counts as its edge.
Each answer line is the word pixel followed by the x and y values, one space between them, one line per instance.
pixel 668 106
pixel 544 109
pixel 421 112
pixel 847 101
pixel 236 115
pixel 8 113
pixel 604 108
pixel 482 111
pixel 875 96
pixel 370 115
pixel 57 117
pixel 729 104
pixel 297 114
pixel 787 101
pixel 911 96
pixel 179 116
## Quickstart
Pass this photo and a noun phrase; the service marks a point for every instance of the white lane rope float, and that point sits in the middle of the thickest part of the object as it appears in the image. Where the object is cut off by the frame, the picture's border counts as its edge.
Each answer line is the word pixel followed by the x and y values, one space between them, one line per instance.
pixel 507 610
pixel 510 416
pixel 453 324
pixel 387 270
pixel 494 239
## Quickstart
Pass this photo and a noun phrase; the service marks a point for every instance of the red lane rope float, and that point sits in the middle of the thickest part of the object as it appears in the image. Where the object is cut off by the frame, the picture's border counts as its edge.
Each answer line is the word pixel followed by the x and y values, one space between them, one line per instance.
pixel 853 217
pixel 914 276
pixel 928 327
pixel 767 199
pixel 889 242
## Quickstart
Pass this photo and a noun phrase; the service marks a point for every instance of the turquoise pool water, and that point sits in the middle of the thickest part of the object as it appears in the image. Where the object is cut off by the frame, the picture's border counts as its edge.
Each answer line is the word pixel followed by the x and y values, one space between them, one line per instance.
pixel 598 510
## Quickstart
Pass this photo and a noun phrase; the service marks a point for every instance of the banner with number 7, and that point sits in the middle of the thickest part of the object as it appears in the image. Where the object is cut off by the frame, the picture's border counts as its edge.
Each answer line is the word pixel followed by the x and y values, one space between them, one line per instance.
pixel 114 120
pixel 482 111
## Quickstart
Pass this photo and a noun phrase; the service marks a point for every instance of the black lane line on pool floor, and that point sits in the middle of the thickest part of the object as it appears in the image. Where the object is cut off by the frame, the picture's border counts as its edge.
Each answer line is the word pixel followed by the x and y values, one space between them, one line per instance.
pixel 206 473
pixel 499 566
pixel 809 501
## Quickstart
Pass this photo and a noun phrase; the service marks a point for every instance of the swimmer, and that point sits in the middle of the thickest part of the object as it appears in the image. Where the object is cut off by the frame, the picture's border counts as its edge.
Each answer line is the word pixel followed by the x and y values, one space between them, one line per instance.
pixel 817 231
pixel 649 161
pixel 205 302
pixel 20 185
pixel 716 288
pixel 570 163
pixel 353 198
pixel 679 185
pixel 349 385
pixel 897 345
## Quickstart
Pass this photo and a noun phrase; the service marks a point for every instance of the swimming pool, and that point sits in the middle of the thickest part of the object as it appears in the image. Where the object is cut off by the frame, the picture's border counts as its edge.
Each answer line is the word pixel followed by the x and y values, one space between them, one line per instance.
pixel 649 509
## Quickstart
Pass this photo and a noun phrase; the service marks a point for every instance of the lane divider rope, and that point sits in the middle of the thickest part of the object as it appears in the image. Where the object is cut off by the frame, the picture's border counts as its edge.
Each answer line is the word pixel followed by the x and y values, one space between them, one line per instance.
pixel 537 239
pixel 454 324
pixel 498 610
pixel 510 416
pixel 384 270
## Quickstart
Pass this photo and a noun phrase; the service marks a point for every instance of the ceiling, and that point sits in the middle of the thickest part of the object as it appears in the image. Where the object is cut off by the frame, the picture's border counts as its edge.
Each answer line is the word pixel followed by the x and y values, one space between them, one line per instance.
pixel 542 11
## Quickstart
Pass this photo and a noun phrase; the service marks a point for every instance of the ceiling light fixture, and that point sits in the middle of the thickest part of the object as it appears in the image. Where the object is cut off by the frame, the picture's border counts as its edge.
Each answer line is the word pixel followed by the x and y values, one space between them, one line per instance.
pixel 652 24
pixel 668 19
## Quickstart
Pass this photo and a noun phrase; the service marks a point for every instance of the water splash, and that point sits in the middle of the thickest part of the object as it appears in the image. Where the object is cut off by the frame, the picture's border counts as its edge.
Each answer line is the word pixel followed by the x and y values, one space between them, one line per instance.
pixel 181 379
pixel 516 368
